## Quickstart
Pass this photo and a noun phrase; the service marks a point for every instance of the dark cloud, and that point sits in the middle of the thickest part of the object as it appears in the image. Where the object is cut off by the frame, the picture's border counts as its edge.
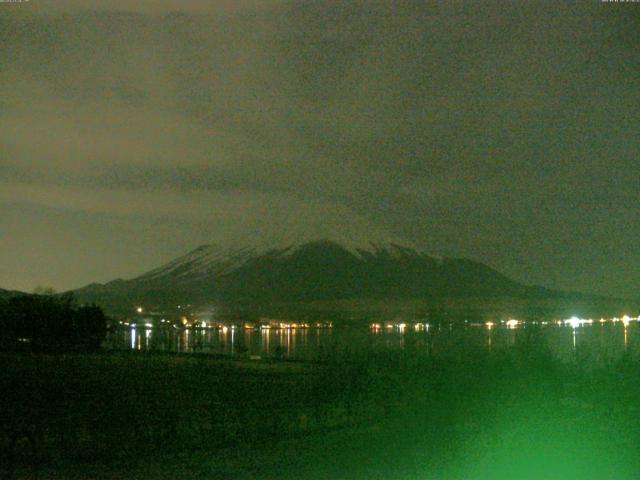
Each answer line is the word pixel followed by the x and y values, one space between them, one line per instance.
pixel 503 132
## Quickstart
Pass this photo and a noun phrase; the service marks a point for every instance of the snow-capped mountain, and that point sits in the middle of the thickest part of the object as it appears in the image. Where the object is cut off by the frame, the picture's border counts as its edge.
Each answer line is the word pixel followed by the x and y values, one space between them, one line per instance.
pixel 310 271
pixel 215 260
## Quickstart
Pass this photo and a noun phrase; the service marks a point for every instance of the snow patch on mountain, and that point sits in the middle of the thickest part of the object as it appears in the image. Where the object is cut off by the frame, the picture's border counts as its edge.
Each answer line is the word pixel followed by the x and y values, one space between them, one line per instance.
pixel 219 260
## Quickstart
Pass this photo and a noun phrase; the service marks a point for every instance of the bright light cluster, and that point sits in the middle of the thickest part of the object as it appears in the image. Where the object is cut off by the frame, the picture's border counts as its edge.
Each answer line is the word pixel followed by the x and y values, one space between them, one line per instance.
pixel 402 327
pixel 575 322
pixel 512 323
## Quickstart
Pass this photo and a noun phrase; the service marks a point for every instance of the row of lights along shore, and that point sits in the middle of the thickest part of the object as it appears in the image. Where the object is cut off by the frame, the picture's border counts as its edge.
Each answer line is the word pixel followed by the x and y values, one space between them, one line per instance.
pixel 193 323
pixel 266 324
pixel 512 323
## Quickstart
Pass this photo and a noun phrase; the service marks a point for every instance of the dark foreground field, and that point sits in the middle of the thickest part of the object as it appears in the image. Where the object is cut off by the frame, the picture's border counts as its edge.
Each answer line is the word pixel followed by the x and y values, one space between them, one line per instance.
pixel 389 415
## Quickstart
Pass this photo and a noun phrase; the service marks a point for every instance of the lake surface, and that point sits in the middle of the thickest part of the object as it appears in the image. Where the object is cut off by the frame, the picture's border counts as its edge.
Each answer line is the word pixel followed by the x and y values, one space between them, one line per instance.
pixel 599 342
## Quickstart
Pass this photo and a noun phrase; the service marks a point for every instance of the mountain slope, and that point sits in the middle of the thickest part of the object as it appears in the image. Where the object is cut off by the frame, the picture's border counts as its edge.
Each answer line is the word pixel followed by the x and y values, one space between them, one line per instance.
pixel 313 271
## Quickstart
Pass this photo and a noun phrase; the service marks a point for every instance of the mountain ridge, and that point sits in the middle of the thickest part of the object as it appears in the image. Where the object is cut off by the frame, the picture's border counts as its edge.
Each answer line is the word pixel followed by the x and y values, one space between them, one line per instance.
pixel 226 258
pixel 318 270
pixel 324 277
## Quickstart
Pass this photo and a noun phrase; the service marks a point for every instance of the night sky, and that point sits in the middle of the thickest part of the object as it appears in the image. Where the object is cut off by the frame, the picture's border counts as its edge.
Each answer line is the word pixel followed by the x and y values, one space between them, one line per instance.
pixel 503 132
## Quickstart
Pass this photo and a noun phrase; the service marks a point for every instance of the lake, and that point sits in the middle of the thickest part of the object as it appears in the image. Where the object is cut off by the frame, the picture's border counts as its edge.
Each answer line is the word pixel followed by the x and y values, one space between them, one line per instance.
pixel 597 341
pixel 413 402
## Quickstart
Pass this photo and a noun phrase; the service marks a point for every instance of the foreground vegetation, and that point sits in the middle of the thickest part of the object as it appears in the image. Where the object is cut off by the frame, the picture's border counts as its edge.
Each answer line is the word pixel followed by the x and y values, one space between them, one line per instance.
pixel 463 415
pixel 50 323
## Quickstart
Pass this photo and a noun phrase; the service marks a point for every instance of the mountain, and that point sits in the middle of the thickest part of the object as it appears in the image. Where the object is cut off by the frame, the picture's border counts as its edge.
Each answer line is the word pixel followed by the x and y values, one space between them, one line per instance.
pixel 316 271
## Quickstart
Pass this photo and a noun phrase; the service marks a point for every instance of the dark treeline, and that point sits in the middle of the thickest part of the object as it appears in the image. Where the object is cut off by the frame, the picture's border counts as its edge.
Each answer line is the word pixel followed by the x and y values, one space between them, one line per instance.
pixel 50 323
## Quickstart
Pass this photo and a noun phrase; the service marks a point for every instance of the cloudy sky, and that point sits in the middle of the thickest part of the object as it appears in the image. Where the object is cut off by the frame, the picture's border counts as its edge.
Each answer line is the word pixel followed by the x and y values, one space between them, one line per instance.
pixel 134 131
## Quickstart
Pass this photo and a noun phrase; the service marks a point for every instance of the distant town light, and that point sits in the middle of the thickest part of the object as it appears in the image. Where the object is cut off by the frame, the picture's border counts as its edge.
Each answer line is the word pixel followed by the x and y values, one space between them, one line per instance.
pixel 575 322
pixel 512 323
pixel 139 309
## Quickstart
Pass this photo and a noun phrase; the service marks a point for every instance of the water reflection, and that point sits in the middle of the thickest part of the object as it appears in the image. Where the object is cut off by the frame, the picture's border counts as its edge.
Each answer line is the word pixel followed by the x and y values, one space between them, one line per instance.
pixel 266 336
pixel 626 339
pixel 566 340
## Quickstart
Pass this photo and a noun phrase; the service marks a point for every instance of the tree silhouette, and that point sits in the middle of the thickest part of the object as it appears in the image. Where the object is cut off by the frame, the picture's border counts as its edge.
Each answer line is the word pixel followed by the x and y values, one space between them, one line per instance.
pixel 50 322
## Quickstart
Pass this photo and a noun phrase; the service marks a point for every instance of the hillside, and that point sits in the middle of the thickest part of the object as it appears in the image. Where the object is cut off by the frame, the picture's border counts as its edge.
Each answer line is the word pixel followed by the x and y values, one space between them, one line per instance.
pixel 328 275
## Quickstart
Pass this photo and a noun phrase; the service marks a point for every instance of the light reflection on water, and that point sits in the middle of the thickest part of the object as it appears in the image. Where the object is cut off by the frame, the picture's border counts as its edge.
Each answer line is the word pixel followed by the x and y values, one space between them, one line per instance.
pixel 598 342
